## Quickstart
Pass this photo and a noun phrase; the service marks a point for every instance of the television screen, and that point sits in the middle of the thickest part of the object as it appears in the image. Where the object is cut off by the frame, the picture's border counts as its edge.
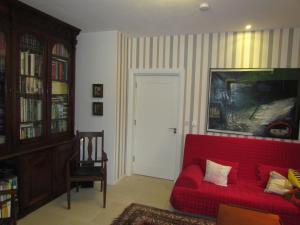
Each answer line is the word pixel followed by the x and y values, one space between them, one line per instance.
pixel 258 102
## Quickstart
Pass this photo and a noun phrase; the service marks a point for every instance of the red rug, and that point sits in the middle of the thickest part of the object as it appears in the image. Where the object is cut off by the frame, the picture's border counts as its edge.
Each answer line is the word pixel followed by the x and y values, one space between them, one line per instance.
pixel 136 214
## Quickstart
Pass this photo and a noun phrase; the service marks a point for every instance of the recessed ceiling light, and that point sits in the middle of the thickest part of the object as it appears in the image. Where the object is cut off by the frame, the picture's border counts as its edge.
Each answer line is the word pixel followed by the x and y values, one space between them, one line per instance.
pixel 204 6
pixel 248 27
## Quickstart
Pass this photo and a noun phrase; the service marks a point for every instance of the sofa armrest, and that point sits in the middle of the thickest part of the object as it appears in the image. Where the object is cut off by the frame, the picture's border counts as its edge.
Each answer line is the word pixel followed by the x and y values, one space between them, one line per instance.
pixel 190 177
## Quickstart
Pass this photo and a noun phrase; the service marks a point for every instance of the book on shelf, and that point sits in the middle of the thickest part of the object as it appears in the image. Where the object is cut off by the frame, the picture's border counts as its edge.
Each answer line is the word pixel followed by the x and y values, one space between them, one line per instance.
pixel 59 111
pixel 30 64
pixel 30 130
pixel 30 109
pixel 7 184
pixel 59 69
pixel 29 42
pixel 59 88
pixel 59 125
pixel 31 85
pixel 59 107
pixel 60 50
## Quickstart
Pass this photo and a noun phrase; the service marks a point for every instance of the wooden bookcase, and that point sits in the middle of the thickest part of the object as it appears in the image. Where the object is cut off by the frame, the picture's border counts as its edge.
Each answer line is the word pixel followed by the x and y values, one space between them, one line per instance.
pixel 37 66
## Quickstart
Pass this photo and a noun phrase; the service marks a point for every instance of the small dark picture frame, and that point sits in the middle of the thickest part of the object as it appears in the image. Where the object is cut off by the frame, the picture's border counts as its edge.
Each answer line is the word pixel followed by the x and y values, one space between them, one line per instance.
pixel 98 90
pixel 98 108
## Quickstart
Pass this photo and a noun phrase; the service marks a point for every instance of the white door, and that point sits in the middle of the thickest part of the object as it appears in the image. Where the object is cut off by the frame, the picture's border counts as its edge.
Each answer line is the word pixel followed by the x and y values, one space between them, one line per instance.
pixel 156 118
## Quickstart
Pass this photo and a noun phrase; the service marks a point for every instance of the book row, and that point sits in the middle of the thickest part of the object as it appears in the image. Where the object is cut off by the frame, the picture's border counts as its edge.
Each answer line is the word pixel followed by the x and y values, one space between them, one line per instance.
pixel 5 211
pixel 30 64
pixel 60 50
pixel 59 88
pixel 59 70
pixel 31 85
pixel 8 184
pixel 30 42
pixel 30 131
pixel 5 199
pixel 59 126
pixel 59 110
pixel 30 109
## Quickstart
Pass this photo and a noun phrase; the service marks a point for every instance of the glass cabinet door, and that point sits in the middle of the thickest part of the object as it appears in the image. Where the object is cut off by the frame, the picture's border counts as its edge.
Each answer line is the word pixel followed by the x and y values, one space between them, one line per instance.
pixel 59 89
pixel 2 86
pixel 31 80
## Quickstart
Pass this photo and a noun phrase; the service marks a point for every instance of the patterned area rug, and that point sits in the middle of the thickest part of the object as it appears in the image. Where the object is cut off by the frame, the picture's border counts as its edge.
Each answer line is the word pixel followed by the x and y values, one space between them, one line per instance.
pixel 136 214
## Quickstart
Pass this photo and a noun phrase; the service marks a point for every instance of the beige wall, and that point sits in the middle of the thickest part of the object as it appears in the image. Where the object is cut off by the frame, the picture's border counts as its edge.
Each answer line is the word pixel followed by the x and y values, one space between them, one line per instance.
pixel 197 53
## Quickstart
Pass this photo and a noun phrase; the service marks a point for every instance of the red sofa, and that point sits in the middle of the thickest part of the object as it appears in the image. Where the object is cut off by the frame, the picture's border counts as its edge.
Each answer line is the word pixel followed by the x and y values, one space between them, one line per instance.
pixel 193 195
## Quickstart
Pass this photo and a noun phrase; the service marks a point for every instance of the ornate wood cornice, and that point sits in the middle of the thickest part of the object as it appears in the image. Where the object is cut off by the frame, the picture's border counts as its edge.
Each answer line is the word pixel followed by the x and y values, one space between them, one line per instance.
pixel 24 15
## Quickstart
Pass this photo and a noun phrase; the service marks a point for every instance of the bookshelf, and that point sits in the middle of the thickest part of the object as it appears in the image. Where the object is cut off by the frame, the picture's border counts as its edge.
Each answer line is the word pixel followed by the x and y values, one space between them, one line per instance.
pixel 2 86
pixel 59 88
pixel 31 87
pixel 37 66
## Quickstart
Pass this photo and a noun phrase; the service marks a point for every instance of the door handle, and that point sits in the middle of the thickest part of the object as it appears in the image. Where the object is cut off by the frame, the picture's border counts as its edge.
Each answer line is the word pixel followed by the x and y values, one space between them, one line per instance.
pixel 174 130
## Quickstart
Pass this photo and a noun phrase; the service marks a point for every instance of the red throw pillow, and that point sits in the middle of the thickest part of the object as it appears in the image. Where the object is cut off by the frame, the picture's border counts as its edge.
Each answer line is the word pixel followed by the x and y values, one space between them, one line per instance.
pixel 264 173
pixel 233 174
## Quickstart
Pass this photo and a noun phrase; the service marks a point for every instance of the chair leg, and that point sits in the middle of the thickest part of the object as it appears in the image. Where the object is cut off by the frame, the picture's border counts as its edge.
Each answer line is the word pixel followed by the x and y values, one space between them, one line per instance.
pixel 104 193
pixel 69 194
pixel 101 185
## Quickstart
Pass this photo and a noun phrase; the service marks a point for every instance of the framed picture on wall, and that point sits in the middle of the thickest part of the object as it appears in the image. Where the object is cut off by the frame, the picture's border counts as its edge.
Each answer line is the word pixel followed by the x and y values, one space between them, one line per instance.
pixel 255 102
pixel 98 90
pixel 97 108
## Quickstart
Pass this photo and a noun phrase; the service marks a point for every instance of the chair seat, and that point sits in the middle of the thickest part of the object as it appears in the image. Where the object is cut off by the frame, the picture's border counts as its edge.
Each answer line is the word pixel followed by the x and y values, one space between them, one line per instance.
pixel 89 171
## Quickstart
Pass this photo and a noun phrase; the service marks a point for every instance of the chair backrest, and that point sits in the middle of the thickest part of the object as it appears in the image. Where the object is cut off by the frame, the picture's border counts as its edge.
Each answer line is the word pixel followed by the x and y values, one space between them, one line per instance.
pixel 88 143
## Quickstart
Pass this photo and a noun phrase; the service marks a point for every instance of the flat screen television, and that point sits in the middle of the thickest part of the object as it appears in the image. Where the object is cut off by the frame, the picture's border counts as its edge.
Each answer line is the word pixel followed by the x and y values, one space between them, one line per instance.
pixel 257 102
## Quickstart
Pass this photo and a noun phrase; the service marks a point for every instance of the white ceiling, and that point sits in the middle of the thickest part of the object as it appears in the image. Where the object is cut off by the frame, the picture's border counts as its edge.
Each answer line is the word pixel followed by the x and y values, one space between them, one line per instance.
pixel 172 16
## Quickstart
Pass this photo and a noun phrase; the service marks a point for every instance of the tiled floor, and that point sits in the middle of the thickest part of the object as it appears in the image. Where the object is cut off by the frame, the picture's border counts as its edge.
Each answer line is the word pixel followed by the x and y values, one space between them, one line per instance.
pixel 86 206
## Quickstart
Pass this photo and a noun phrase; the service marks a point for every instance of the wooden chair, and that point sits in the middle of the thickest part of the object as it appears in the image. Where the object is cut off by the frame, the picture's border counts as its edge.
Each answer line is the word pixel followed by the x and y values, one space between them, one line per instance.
pixel 82 167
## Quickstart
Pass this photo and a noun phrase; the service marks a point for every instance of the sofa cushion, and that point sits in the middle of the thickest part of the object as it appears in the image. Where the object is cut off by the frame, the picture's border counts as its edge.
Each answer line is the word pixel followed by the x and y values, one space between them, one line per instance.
pixel 216 173
pixel 278 184
pixel 264 173
pixel 233 174
pixel 190 177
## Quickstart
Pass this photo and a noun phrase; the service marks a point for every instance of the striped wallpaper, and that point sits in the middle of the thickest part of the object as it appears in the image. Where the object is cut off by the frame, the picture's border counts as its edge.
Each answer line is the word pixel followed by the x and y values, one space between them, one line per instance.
pixel 197 53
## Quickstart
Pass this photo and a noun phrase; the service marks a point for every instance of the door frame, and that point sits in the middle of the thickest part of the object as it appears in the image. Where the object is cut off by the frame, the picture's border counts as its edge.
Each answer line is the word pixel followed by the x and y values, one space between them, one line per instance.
pixel 133 73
